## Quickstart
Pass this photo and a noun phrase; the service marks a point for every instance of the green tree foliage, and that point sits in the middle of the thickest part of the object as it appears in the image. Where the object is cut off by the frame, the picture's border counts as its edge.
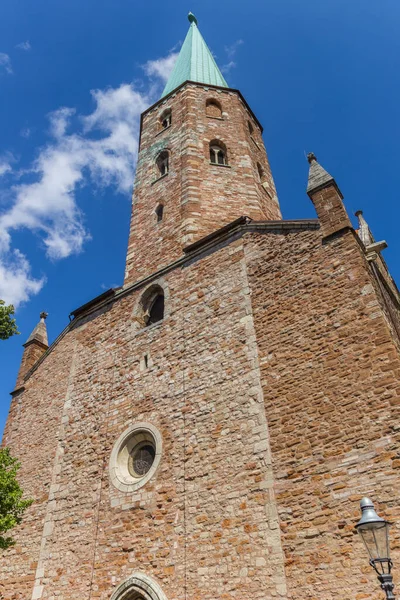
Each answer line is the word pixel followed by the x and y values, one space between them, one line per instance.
pixel 12 507
pixel 8 326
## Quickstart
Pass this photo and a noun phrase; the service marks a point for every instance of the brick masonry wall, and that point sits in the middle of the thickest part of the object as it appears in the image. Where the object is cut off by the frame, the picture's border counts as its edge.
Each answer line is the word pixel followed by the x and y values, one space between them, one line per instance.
pixel 330 371
pixel 274 382
pixel 198 197
pixel 389 295
pixel 32 430
pixel 32 352
pixel 206 525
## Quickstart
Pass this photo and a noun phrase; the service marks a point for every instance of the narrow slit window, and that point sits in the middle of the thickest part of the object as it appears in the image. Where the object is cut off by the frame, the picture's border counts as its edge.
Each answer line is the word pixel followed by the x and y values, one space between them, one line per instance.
pixel 160 212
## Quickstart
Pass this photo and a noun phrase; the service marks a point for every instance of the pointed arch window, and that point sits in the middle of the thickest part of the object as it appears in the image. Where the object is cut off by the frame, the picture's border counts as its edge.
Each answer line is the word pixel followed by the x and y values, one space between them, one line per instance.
pixel 218 154
pixel 138 587
pixel 162 163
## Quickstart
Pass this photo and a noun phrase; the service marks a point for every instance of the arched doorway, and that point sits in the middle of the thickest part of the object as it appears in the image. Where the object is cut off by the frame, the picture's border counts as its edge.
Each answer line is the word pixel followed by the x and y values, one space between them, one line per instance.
pixel 139 587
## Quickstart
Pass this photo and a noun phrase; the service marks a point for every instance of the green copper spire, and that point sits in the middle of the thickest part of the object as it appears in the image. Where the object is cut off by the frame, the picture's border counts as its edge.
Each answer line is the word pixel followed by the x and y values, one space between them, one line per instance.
pixel 195 62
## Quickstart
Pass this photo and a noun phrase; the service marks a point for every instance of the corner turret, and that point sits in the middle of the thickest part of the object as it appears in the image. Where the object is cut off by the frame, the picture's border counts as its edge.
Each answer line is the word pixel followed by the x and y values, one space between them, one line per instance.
pixel 36 345
pixel 327 198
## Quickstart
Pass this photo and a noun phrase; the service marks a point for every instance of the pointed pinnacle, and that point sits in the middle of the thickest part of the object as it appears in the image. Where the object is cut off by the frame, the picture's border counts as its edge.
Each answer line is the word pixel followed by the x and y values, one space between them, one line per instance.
pixel 318 178
pixel 39 334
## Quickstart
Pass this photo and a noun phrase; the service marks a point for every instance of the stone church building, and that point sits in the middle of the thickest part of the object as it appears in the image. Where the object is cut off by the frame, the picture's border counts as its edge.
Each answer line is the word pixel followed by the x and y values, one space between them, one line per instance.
pixel 206 431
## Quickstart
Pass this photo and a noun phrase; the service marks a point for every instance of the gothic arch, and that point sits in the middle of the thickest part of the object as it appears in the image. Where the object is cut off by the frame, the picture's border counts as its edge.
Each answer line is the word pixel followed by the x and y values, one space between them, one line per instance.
pixel 138 587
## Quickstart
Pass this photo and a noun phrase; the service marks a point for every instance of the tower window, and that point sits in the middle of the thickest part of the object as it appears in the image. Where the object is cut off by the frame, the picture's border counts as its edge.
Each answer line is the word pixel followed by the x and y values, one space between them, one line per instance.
pixel 260 172
pixel 162 163
pixel 166 119
pixel 251 128
pixel 218 153
pixel 213 109
pixel 159 212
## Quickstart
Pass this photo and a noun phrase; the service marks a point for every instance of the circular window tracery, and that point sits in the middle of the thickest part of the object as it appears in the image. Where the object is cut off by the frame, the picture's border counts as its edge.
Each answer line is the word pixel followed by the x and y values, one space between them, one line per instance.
pixel 135 457
pixel 141 459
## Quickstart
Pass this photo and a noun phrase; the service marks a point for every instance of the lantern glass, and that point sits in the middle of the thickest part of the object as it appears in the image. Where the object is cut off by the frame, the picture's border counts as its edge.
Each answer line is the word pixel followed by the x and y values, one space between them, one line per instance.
pixel 375 536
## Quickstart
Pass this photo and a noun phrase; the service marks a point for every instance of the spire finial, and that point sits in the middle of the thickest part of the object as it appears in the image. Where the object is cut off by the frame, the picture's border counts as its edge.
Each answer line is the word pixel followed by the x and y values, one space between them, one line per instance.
pixel 43 315
pixel 192 18
pixel 311 157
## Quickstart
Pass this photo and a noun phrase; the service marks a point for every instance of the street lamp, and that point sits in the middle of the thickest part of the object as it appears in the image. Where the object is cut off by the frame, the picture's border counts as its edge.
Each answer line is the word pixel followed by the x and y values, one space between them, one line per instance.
pixel 375 534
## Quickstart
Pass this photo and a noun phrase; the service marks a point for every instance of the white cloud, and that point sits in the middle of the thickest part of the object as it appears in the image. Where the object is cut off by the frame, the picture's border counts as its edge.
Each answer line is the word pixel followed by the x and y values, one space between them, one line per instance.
pixel 162 67
pixel 5 166
pixel 231 52
pixel 16 283
pixel 226 68
pixel 24 45
pixel 232 49
pixel 5 62
pixel 99 149
pixel 25 133
pixel 48 205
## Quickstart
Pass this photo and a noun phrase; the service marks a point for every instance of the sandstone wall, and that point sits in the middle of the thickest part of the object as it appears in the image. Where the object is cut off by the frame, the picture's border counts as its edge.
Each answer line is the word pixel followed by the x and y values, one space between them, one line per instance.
pixel 205 526
pixel 275 340
pixel 330 372
pixel 32 432
pixel 198 197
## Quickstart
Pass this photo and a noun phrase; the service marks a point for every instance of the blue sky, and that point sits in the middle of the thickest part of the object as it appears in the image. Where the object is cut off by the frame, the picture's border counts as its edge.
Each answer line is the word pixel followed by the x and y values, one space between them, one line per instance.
pixel 74 77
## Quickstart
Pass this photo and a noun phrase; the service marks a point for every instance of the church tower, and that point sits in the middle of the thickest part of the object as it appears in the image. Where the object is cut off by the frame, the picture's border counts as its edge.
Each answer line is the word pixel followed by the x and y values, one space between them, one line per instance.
pixel 202 163
pixel 206 430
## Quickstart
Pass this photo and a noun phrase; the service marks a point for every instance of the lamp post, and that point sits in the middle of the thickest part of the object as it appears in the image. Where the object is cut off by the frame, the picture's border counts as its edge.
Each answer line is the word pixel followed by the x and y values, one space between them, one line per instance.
pixel 375 534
